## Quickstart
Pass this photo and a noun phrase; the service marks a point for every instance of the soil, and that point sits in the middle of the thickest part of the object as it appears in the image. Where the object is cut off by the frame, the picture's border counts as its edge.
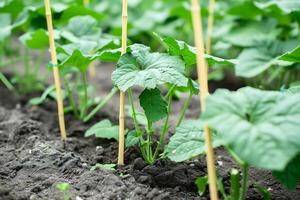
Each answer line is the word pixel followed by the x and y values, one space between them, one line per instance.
pixel 33 159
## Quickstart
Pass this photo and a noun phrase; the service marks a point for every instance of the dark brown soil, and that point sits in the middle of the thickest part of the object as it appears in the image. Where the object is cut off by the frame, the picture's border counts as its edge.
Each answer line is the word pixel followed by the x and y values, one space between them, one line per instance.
pixel 33 159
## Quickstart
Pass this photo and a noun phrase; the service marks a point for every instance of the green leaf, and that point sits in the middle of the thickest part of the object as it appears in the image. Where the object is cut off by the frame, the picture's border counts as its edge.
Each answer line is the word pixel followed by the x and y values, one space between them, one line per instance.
pixel 140 116
pixel 187 142
pixel 82 28
pixel 35 40
pixel 132 138
pixel 79 10
pixel 5 24
pixel 188 53
pixel 251 34
pixel 43 97
pixel 142 68
pixel 103 166
pixel 290 176
pixel 291 56
pixel 201 183
pixel 261 127
pixel 153 104
pixel 253 61
pixel 104 129
pixel 287 6
pixel 78 55
pixel 63 187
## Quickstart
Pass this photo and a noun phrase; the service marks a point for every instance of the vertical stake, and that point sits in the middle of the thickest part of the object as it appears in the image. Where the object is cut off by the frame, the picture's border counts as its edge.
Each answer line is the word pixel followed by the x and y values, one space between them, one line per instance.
pixel 122 94
pixel 55 72
pixel 203 82
pixel 210 23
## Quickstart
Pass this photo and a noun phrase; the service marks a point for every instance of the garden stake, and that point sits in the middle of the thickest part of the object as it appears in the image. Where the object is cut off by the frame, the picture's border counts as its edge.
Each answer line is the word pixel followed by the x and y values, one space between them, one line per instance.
pixel 203 82
pixel 92 67
pixel 122 94
pixel 210 23
pixel 55 72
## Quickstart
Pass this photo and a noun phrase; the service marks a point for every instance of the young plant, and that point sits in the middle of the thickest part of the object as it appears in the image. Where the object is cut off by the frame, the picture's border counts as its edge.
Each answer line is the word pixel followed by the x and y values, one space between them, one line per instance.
pixel 64 188
pixel 140 67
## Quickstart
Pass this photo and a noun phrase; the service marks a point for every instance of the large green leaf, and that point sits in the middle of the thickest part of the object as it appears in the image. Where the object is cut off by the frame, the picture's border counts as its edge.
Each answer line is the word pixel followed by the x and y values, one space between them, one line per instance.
pixel 291 56
pixel 188 53
pixel 261 127
pixel 251 34
pixel 139 67
pixel 81 28
pixel 37 39
pixel 104 129
pixel 153 104
pixel 187 142
pixel 290 176
pixel 253 61
pixel 78 55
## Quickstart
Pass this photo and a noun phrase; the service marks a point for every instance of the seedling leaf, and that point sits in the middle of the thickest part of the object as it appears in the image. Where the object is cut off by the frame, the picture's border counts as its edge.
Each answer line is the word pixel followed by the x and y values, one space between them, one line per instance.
pixel 103 166
pixel 187 142
pixel 104 129
pixel 153 104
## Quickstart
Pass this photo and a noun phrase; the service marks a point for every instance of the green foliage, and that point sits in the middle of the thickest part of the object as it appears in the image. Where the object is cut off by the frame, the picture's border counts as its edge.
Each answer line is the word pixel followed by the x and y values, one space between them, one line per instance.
pixel 149 70
pixel 153 104
pixel 252 122
pixel 35 40
pixel 132 138
pixel 201 183
pixel 187 142
pixel 188 53
pixel 104 129
pixel 290 176
pixel 103 166
pixel 65 188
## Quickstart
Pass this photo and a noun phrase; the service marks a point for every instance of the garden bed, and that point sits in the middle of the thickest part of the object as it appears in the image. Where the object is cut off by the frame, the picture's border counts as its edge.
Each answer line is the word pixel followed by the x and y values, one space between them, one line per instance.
pixel 34 159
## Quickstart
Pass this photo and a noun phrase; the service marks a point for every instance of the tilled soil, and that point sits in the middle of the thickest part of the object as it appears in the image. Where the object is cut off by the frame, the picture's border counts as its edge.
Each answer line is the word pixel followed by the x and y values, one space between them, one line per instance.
pixel 33 160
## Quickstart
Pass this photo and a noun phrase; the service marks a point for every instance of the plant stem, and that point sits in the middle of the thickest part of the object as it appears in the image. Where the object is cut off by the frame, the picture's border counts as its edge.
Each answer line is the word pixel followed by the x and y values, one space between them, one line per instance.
pixel 165 129
pixel 169 92
pixel 71 97
pixel 26 61
pixel 85 96
pixel 136 124
pixel 101 104
pixel 245 170
pixel 186 104
pixel 234 184
pixel 6 82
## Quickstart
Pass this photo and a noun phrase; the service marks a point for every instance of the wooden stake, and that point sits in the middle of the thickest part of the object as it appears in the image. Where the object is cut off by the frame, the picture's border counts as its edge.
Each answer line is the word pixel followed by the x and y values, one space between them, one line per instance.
pixel 55 72
pixel 203 82
pixel 122 94
pixel 210 23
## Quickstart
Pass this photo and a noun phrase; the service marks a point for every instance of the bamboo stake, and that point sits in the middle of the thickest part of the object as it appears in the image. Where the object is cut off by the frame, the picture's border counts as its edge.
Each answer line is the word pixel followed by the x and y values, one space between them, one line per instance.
pixel 210 23
pixel 203 82
pixel 122 94
pixel 92 67
pixel 55 72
